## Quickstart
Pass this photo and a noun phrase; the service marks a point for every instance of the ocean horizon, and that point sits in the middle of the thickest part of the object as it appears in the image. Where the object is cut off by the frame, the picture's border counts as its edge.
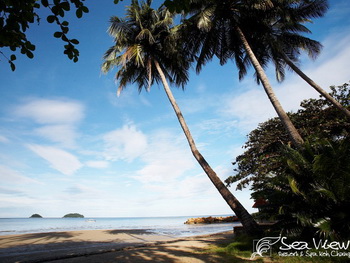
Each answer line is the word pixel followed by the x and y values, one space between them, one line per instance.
pixel 164 225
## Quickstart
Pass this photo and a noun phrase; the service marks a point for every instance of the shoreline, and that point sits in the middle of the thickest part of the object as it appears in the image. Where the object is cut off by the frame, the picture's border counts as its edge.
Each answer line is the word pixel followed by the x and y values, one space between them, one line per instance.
pixel 52 246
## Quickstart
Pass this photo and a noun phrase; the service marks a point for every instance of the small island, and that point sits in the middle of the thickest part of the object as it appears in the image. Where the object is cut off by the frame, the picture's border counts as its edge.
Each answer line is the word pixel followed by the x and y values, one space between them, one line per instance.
pixel 35 216
pixel 73 215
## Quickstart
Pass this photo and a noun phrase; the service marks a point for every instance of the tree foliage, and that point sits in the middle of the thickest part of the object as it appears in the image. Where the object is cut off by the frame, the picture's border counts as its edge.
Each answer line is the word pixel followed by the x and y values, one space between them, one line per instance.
pixel 16 16
pixel 307 190
pixel 145 36
pixel 316 118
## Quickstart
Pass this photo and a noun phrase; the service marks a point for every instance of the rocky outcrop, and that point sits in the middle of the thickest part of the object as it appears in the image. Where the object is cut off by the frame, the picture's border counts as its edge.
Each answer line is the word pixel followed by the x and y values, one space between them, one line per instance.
pixel 212 220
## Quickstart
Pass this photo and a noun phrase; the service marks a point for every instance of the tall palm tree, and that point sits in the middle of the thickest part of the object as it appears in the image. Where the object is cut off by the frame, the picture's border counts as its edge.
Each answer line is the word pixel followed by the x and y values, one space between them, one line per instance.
pixel 215 29
pixel 147 49
pixel 280 40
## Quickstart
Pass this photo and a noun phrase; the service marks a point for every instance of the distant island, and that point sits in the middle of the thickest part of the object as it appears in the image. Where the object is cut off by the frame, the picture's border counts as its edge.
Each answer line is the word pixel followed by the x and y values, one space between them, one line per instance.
pixel 73 215
pixel 35 216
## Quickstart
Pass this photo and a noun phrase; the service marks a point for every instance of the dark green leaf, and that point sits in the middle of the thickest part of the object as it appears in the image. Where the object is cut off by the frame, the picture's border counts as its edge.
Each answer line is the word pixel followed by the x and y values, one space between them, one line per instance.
pixel 13 66
pixel 64 38
pixel 51 19
pixel 30 54
pixel 31 47
pixel 58 34
pixel 79 13
pixel 85 9
pixel 45 3
pixel 55 10
pixel 65 6
pixel 13 57
pixel 65 29
pixel 74 41
pixel 65 23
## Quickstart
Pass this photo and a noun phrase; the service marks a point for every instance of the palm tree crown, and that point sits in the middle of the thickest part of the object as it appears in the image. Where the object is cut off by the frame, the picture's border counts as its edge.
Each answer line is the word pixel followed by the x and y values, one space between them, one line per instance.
pixel 221 28
pixel 281 30
pixel 144 37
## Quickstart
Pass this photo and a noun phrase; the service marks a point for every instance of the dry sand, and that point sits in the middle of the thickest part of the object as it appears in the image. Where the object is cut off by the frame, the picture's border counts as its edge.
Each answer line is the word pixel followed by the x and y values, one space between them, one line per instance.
pixel 108 246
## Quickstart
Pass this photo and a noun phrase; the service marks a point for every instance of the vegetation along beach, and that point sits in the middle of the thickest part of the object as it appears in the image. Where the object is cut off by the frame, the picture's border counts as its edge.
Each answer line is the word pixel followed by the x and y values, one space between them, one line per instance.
pixel 175 131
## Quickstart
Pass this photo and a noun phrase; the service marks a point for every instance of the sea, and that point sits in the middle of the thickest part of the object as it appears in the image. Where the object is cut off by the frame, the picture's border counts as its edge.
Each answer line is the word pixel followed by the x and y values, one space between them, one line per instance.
pixel 171 226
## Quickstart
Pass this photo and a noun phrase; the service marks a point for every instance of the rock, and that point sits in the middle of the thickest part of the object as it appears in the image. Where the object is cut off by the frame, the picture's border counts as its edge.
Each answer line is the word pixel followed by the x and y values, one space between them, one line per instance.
pixel 211 220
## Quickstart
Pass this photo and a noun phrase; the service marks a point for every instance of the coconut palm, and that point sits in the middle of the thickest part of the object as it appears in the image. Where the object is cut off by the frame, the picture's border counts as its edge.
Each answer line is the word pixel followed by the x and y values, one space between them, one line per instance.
pixel 147 50
pixel 217 28
pixel 282 41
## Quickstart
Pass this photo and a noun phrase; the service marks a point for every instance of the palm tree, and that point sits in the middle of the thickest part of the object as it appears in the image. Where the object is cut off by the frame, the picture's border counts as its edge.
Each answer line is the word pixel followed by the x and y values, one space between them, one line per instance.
pixel 281 40
pixel 147 50
pixel 215 28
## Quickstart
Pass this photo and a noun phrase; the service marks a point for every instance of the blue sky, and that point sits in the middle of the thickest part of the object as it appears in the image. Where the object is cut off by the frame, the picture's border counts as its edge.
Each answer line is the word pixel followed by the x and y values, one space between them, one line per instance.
pixel 69 144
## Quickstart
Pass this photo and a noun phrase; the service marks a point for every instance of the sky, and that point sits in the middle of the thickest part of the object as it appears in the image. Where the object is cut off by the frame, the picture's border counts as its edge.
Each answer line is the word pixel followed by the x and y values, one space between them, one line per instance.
pixel 69 144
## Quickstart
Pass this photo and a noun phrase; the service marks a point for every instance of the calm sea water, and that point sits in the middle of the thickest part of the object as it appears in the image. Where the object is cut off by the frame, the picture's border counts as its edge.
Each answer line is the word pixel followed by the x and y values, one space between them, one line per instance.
pixel 173 226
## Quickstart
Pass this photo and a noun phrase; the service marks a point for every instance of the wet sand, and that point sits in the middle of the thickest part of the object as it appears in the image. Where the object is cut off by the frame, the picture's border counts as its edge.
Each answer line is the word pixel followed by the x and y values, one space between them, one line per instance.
pixel 108 246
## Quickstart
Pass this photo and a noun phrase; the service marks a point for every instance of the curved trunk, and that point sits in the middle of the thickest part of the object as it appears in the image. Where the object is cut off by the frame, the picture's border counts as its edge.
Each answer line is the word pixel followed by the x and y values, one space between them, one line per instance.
pixel 246 219
pixel 287 123
pixel 316 87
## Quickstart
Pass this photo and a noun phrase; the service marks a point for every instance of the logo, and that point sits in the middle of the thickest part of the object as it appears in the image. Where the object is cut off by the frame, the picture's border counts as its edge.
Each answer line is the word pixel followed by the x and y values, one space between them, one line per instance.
pixel 316 248
pixel 264 245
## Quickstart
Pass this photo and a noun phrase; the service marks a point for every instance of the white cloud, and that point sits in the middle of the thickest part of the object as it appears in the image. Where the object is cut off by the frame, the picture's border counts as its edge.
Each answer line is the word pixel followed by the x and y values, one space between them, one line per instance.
pixel 97 164
pixel 79 189
pixel 63 134
pixel 50 111
pixel 167 158
pixel 60 160
pixel 125 144
pixel 58 118
pixel 248 108
pixel 8 175
pixel 4 139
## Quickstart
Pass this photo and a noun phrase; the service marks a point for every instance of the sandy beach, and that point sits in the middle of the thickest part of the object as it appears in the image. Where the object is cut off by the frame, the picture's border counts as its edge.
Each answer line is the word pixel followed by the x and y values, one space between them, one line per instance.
pixel 108 246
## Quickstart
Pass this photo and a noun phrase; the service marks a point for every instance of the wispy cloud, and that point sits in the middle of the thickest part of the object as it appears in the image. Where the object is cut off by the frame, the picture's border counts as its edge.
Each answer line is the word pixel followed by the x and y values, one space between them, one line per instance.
pixel 51 111
pixel 167 158
pixel 57 118
pixel 9 175
pixel 4 139
pixel 126 143
pixel 59 159
pixel 63 134
pixel 97 164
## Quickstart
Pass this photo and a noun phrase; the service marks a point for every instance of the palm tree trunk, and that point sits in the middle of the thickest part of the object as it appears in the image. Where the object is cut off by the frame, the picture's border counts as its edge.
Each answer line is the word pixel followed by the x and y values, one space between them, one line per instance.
pixel 287 123
pixel 246 219
pixel 316 87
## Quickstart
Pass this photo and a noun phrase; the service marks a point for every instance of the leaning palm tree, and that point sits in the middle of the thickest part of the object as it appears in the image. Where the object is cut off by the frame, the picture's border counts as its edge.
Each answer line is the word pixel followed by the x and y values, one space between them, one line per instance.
pixel 216 28
pixel 147 49
pixel 281 40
